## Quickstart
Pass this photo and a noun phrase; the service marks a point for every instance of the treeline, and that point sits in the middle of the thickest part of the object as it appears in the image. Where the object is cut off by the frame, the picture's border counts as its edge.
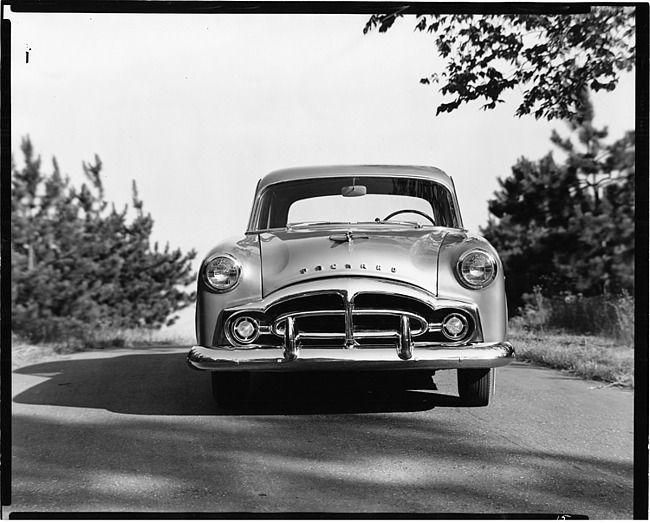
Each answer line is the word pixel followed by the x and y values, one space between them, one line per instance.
pixel 80 265
pixel 565 230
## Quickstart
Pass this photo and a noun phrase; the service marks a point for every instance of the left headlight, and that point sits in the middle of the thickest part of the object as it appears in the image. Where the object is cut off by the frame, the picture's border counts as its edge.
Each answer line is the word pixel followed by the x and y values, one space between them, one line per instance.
pixel 222 273
pixel 476 269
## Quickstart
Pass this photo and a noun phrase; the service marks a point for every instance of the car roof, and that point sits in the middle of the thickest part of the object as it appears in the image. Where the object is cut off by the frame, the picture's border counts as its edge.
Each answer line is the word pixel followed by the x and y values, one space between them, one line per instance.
pixel 333 171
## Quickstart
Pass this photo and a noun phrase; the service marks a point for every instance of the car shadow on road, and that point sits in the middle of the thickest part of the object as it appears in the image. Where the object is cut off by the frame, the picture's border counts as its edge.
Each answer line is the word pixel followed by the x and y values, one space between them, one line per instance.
pixel 161 383
pixel 342 392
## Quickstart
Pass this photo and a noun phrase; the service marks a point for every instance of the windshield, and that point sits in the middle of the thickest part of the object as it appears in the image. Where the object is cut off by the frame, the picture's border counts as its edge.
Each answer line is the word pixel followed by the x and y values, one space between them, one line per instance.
pixel 360 199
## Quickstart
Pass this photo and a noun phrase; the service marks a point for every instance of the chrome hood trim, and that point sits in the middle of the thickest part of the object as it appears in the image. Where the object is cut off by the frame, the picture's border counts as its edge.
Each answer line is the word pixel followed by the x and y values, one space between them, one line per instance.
pixel 406 255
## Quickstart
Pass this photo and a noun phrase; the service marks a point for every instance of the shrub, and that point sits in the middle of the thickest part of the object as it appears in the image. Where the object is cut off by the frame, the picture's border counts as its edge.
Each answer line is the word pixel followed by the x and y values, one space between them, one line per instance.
pixel 79 266
pixel 608 316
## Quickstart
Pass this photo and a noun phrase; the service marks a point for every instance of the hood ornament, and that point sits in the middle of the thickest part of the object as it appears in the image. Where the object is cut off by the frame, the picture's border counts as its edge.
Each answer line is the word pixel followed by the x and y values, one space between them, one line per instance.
pixel 348 237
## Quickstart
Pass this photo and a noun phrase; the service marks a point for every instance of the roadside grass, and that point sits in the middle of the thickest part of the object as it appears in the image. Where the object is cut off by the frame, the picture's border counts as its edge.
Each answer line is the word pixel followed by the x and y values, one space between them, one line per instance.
pixel 589 337
pixel 24 352
pixel 606 316
pixel 591 357
pixel 109 338
pixel 595 358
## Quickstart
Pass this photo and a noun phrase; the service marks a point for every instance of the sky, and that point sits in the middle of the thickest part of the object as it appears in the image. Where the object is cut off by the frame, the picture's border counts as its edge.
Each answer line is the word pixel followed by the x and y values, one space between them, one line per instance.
pixel 197 108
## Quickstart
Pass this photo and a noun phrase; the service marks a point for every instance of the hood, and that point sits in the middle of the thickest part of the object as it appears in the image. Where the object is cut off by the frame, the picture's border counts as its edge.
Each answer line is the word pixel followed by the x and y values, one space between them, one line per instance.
pixel 295 256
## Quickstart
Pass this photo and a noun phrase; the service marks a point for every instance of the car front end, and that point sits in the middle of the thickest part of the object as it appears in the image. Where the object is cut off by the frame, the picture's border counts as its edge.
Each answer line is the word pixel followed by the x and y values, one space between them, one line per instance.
pixel 377 294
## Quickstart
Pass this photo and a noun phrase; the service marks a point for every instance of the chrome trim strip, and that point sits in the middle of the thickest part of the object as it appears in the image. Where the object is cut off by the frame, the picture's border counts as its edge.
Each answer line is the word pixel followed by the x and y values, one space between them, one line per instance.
pixel 341 336
pixel 342 286
pixel 479 355
pixel 278 330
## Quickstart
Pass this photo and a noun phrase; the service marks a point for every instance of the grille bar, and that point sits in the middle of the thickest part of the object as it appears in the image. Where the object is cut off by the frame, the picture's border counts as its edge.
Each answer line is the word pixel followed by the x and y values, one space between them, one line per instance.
pixel 279 325
pixel 401 338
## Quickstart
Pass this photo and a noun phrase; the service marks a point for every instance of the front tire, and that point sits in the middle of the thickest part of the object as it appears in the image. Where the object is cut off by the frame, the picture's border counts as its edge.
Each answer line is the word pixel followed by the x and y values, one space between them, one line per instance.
pixel 230 389
pixel 475 386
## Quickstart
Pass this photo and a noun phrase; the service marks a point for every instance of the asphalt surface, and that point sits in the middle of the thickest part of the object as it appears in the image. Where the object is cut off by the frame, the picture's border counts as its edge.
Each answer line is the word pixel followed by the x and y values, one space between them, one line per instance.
pixel 138 431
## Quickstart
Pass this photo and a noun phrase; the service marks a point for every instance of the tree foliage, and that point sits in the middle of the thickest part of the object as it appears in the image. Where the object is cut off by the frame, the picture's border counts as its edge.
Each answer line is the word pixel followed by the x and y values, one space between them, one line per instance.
pixel 568 228
pixel 79 265
pixel 552 59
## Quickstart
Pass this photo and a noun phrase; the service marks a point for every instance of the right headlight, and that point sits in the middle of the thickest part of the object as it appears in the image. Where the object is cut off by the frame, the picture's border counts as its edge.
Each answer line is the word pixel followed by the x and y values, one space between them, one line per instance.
pixel 476 269
pixel 222 273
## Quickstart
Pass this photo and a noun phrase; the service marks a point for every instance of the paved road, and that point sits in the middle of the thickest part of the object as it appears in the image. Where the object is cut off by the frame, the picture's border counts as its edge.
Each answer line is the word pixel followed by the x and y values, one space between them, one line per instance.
pixel 137 430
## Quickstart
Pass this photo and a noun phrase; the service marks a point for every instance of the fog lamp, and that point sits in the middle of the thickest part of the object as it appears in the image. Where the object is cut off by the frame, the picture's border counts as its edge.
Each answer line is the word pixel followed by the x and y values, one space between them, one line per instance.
pixel 245 329
pixel 455 326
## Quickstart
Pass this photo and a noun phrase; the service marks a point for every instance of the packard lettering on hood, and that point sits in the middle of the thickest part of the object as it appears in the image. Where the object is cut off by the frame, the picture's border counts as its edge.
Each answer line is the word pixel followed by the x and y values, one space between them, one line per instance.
pixel 334 266
pixel 407 256
pixel 352 268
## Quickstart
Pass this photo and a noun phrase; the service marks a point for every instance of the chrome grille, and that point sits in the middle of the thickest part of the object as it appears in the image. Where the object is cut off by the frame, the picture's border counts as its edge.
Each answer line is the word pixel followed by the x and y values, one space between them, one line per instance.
pixel 333 319
pixel 374 323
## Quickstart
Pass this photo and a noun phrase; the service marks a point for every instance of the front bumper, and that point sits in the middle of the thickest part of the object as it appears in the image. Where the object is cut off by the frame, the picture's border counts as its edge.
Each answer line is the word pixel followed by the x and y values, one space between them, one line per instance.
pixel 433 357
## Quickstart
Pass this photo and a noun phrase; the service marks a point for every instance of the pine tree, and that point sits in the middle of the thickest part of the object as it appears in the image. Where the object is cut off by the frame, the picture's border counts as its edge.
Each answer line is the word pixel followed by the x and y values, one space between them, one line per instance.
pixel 604 259
pixel 530 224
pixel 78 266
pixel 568 228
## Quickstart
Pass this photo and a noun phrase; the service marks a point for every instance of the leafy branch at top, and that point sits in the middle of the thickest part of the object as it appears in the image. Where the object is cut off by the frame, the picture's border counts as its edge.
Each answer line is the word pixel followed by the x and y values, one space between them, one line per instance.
pixel 552 59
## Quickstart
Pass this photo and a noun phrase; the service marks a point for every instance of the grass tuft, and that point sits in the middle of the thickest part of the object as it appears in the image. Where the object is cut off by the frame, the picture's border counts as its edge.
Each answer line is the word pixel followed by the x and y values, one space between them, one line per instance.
pixel 590 357
pixel 607 316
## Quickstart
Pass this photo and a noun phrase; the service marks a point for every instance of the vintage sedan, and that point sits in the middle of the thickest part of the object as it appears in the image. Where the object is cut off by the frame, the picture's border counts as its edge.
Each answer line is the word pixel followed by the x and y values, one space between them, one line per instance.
pixel 359 268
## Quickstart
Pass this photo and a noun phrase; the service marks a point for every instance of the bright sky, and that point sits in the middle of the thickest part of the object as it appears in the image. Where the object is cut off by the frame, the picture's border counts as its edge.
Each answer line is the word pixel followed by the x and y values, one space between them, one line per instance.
pixel 196 108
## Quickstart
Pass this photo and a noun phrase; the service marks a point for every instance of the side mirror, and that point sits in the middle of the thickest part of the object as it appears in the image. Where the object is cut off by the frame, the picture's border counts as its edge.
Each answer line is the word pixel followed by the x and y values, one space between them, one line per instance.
pixel 352 191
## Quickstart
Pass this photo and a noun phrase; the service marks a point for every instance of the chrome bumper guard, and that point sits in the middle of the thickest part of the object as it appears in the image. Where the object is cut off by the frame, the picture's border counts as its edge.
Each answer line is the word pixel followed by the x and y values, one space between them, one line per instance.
pixel 293 358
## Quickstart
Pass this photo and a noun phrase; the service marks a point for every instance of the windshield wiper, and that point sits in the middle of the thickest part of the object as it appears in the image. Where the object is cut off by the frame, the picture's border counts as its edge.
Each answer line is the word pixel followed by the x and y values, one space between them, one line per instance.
pixel 308 224
pixel 417 225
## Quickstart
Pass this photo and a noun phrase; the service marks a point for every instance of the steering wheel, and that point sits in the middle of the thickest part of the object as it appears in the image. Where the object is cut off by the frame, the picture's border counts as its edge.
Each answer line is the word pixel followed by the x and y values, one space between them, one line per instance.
pixel 415 211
